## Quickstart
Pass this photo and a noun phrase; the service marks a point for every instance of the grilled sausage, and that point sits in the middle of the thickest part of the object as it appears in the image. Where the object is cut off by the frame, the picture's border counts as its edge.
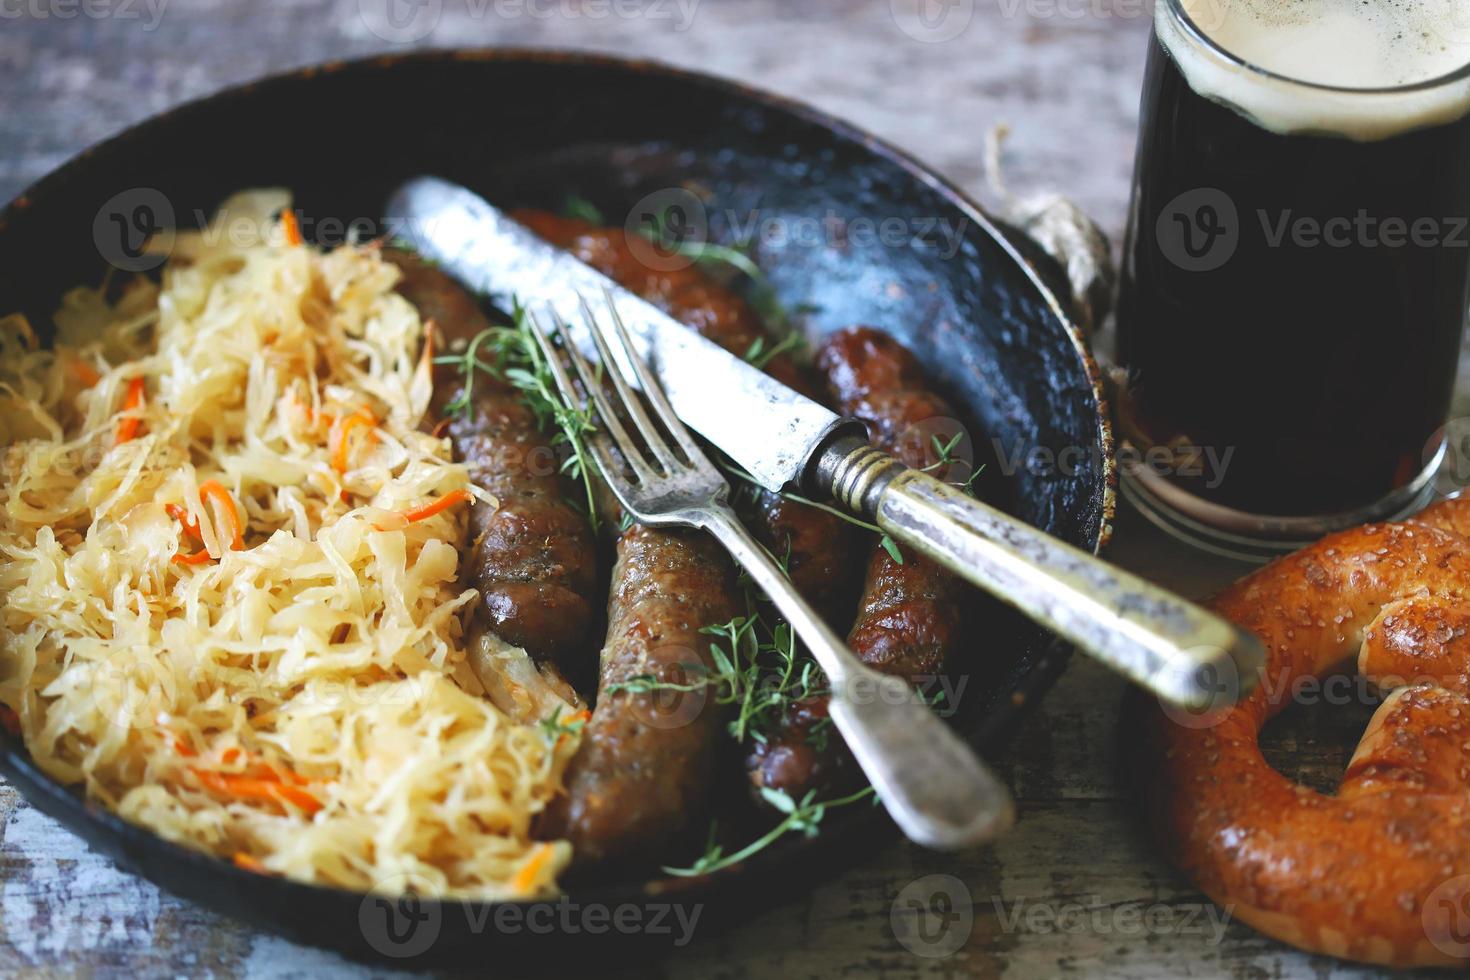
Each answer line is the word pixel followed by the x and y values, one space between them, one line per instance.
pixel 533 558
pixel 686 294
pixel 643 770
pixel 910 614
pixel 820 550
pixel 803 753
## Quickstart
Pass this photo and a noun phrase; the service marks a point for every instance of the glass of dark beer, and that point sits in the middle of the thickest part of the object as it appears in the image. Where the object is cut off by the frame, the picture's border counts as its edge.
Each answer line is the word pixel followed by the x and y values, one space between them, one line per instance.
pixel 1294 281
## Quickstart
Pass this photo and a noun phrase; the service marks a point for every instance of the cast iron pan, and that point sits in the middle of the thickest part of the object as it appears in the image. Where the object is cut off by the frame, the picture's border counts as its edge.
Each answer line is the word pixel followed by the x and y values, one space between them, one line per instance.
pixel 528 128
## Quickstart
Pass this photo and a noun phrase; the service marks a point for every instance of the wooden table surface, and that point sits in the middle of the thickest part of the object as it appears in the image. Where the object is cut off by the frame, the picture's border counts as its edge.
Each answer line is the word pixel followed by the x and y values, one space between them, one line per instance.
pixel 1076 888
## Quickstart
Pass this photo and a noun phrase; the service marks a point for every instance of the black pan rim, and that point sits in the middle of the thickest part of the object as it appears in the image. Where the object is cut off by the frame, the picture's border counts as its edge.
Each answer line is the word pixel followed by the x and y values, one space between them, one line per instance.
pixel 552 56
pixel 67 805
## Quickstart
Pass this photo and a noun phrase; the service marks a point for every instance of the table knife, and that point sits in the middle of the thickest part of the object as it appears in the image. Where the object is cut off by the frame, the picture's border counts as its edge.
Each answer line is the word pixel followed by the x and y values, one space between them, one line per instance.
pixel 1185 654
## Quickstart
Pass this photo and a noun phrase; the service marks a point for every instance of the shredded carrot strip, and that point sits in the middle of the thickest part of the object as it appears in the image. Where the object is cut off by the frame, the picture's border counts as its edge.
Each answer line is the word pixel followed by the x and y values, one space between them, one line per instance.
pixel 250 788
pixel 526 876
pixel 127 429
pixel 180 746
pixel 247 863
pixel 225 505
pixel 215 489
pixel 178 513
pixel 9 720
pixel 286 774
pixel 258 768
pixel 85 373
pixel 341 428
pixel 583 716
pixel 439 428
pixel 426 359
pixel 291 227
pixel 426 511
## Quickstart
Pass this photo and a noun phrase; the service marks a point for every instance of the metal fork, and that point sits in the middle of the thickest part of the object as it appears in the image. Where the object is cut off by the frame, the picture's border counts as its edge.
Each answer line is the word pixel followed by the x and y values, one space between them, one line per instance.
pixel 934 786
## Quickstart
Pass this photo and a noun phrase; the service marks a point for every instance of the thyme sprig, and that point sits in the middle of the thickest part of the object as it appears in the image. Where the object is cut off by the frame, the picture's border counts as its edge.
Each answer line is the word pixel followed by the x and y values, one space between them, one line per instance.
pixel 553 728
pixel 761 353
pixel 803 817
pixel 946 458
pixel 741 481
pixel 667 234
pixel 512 354
pixel 576 206
pixel 757 667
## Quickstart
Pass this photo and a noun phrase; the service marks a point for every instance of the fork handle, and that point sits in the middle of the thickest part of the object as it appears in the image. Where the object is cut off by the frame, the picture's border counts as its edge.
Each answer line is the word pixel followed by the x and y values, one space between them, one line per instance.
pixel 1180 651
pixel 933 785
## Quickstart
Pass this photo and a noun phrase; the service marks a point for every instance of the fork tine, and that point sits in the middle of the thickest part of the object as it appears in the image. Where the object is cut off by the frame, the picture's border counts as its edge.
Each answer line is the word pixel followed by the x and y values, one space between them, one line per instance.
pixel 651 387
pixel 631 402
pixel 611 425
pixel 559 374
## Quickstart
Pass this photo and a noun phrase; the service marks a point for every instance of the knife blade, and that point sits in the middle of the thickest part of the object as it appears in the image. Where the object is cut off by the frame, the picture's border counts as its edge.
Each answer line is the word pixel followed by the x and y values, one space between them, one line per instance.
pixel 1184 653
pixel 779 431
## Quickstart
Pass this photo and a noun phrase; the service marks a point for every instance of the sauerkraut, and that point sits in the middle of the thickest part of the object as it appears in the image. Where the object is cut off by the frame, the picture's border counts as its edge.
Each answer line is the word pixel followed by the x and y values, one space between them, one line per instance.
pixel 294 696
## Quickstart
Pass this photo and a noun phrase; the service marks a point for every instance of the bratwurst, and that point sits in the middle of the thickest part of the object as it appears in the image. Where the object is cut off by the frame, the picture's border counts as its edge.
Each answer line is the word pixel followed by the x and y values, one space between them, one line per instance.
pixel 639 776
pixel 533 558
pixel 642 773
pixel 911 613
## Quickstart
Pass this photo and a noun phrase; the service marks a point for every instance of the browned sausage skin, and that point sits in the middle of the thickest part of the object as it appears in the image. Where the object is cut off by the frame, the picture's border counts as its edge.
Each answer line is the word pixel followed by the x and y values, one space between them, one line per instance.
pixel 643 770
pixel 803 753
pixel 686 294
pixel 911 613
pixel 820 550
pixel 532 558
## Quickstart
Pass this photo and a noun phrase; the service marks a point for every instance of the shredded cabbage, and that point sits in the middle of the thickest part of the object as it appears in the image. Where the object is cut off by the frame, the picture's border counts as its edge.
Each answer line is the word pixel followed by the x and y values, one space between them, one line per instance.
pixel 303 704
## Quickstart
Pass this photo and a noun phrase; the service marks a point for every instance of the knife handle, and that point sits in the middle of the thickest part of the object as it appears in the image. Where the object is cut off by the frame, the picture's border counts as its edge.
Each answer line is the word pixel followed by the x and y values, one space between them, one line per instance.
pixel 1180 651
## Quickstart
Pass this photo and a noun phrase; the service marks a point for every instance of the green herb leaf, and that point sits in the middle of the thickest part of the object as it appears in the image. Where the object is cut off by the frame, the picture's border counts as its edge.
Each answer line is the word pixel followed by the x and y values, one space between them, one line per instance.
pixel 512 355
pixel 804 818
pixel 553 728
pixel 582 209
pixel 780 800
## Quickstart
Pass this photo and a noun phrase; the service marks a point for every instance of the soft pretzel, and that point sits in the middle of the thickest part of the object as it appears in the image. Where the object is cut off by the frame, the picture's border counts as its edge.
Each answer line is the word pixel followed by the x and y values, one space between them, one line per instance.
pixel 1380 872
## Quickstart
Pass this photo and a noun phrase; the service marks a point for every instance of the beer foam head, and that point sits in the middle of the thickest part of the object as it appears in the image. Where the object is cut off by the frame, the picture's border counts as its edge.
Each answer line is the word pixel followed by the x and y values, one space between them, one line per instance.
pixel 1366 69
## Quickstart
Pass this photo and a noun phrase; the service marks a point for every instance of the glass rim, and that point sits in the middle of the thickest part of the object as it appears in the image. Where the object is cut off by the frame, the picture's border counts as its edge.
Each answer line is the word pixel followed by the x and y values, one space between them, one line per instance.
pixel 1197 34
